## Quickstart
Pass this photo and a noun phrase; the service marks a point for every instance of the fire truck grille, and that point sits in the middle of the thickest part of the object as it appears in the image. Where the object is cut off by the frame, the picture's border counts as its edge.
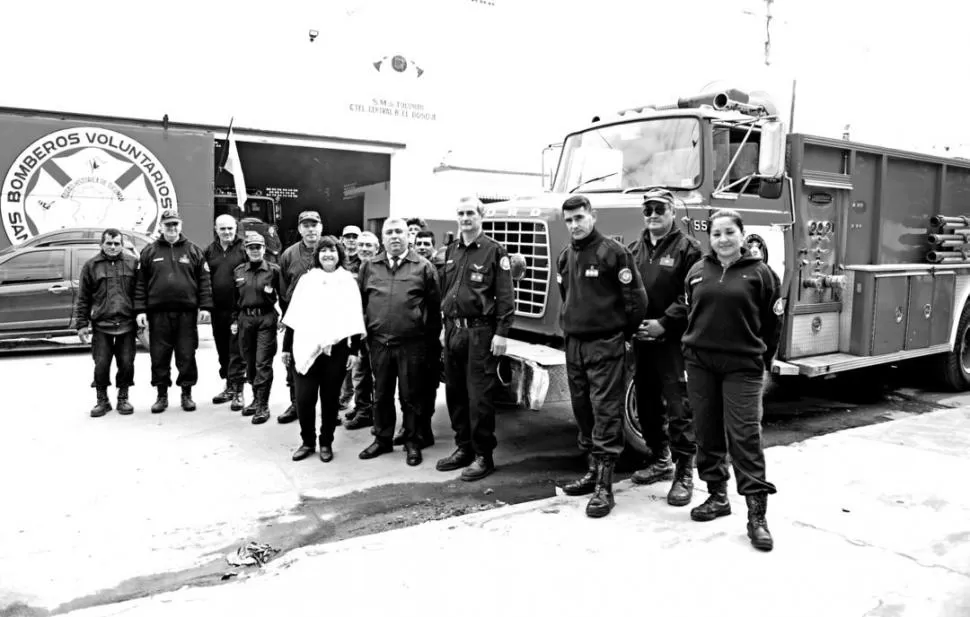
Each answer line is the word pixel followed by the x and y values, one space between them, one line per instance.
pixel 531 240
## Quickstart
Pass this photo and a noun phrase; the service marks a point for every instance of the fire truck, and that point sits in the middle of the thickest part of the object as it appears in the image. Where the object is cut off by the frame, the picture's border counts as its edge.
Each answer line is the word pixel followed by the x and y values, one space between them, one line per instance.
pixel 872 244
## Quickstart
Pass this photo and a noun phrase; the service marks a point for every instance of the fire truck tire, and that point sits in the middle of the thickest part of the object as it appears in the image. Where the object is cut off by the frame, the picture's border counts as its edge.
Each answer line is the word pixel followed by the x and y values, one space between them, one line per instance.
pixel 631 422
pixel 955 364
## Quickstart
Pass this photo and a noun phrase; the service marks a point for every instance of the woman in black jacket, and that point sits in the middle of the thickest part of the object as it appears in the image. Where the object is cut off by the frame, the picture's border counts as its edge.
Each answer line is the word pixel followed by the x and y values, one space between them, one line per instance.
pixel 325 323
pixel 732 334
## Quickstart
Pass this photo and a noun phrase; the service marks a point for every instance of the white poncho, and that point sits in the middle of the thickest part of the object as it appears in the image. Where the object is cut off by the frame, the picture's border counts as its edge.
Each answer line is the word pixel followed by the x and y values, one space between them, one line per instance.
pixel 325 309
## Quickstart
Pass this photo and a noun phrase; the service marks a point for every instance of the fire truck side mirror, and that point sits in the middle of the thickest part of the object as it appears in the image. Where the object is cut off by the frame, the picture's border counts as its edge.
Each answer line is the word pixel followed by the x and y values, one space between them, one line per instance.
pixel 771 160
pixel 550 163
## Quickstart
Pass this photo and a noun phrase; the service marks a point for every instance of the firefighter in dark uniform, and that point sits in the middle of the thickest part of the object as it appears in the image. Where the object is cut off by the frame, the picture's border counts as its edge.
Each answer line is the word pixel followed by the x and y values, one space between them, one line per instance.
pixel 733 327
pixel 173 292
pixel 603 305
pixel 663 255
pixel 294 263
pixel 478 303
pixel 255 321
pixel 223 256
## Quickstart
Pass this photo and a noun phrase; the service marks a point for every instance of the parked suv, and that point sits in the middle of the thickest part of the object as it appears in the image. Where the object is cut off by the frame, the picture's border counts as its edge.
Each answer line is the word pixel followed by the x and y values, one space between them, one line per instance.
pixel 39 282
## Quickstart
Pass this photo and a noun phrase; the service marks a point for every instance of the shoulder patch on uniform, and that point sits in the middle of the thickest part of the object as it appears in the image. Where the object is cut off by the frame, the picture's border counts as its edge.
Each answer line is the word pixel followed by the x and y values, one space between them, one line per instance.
pixel 779 307
pixel 626 276
pixel 504 263
pixel 695 280
pixel 559 279
pixel 205 266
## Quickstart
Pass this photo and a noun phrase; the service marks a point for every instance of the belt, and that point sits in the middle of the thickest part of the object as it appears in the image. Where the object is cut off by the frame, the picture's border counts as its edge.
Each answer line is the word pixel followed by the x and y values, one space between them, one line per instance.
pixel 471 322
pixel 255 311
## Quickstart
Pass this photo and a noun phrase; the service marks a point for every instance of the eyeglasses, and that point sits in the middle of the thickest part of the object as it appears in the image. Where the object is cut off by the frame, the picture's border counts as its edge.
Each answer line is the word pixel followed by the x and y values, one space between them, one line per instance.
pixel 350 236
pixel 659 209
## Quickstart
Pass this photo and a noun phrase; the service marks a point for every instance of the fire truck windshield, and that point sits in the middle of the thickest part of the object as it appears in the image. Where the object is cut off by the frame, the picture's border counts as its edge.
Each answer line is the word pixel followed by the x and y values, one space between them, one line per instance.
pixel 662 152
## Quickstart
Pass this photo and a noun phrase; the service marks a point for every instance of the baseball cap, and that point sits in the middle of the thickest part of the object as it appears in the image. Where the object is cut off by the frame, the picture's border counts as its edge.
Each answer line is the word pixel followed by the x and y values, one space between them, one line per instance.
pixel 351 229
pixel 309 215
pixel 254 238
pixel 170 215
pixel 661 196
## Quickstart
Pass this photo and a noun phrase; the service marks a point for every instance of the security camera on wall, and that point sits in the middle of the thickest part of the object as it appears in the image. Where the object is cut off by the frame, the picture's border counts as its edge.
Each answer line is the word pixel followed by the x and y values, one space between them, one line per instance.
pixel 313 35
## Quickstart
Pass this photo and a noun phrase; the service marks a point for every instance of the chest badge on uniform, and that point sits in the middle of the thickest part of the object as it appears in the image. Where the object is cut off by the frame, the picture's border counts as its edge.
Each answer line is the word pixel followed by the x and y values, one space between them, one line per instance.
pixel 559 279
pixel 184 259
pixel 626 276
pixel 592 272
pixel 268 289
pixel 667 261
pixel 476 277
pixel 779 307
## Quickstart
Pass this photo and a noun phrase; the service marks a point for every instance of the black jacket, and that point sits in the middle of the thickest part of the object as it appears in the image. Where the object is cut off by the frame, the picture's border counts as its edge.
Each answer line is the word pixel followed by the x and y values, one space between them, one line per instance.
pixel 106 293
pixel 294 263
pixel 255 286
pixel 172 277
pixel 601 288
pixel 663 269
pixel 222 264
pixel 476 281
pixel 400 305
pixel 733 309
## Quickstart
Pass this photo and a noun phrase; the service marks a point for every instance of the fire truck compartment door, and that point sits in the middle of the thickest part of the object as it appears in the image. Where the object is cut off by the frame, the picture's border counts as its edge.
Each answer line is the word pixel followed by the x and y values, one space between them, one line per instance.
pixel 889 317
pixel 918 317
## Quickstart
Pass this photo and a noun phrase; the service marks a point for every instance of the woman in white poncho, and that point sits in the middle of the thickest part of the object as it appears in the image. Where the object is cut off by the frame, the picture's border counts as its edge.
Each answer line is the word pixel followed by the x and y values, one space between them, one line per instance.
pixel 326 325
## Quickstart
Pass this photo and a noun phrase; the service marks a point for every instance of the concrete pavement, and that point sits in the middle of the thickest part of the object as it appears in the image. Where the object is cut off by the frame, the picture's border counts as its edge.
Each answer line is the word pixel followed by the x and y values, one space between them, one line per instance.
pixel 127 502
pixel 867 522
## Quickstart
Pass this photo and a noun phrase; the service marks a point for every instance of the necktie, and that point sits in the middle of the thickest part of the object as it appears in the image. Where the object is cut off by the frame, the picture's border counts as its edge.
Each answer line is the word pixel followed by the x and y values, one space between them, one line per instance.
pixel 395 264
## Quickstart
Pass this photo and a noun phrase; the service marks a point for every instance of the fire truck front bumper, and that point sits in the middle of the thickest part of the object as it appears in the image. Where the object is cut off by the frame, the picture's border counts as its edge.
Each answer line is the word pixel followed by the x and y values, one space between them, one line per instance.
pixel 534 374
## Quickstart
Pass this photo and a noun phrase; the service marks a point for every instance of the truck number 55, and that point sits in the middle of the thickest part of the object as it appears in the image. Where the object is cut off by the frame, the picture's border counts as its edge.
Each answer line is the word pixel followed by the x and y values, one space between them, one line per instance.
pixel 699 225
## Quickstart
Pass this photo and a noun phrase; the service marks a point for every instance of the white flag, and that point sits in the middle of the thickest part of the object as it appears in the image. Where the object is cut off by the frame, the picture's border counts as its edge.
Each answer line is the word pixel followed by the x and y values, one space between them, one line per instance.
pixel 234 166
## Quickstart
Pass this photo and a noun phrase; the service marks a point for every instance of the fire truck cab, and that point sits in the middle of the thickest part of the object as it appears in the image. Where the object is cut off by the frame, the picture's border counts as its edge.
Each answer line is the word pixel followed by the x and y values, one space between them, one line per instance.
pixel 846 226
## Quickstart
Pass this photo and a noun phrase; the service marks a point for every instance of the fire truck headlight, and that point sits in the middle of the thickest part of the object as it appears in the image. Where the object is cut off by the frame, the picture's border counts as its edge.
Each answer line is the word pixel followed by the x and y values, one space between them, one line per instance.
pixel 518 266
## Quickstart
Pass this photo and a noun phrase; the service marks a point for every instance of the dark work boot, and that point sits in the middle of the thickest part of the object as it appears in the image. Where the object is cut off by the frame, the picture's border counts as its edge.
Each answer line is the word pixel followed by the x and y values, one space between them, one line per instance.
pixel 359 421
pixel 237 398
pixel 124 407
pixel 716 505
pixel 586 484
pixel 660 469
pixel 161 403
pixel 253 405
pixel 682 490
pixel 187 403
pixel 103 405
pixel 482 466
pixel 601 503
pixel 757 525
pixel 456 460
pixel 225 396
pixel 262 408
pixel 290 414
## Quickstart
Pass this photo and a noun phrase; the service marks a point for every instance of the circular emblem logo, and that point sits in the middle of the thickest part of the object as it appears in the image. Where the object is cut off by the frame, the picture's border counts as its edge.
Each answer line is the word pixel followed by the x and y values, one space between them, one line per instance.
pixel 84 177
pixel 626 277
pixel 399 64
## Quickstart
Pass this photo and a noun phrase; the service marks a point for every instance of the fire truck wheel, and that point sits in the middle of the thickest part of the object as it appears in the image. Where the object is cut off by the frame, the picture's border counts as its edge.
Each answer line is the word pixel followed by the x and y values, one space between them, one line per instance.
pixel 631 423
pixel 956 363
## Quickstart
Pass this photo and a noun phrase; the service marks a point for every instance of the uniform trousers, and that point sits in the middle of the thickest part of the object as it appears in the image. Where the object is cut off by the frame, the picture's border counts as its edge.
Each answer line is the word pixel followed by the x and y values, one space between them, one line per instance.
pixel 595 368
pixel 725 395
pixel 178 332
